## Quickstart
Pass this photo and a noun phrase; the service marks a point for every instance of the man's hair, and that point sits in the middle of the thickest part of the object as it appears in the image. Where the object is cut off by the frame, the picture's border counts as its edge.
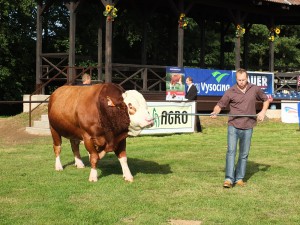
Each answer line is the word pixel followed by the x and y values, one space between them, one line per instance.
pixel 85 77
pixel 190 78
pixel 241 70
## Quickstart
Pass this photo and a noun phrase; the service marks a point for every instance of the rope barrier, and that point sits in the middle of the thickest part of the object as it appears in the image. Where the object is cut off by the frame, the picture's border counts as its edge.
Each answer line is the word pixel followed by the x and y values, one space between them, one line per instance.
pixel 207 114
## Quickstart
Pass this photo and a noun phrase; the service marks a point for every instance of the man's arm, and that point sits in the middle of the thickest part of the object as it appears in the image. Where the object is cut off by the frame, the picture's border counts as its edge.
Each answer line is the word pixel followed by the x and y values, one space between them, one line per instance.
pixel 262 113
pixel 217 110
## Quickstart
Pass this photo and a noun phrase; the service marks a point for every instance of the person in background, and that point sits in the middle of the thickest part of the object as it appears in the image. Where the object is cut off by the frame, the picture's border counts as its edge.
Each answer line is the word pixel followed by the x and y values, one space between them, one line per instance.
pixel 86 79
pixel 191 94
pixel 241 99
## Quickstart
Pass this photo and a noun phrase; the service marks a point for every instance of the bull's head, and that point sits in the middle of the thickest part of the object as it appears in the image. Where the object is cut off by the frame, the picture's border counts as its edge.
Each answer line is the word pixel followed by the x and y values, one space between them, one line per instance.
pixel 138 112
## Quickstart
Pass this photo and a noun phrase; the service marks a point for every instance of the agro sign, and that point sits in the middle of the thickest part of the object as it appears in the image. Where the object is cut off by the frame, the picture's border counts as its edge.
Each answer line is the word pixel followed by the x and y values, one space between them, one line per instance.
pixel 165 123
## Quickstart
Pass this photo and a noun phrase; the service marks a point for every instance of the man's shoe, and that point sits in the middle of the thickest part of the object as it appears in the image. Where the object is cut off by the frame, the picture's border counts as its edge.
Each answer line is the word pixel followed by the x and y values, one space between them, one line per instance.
pixel 240 183
pixel 227 184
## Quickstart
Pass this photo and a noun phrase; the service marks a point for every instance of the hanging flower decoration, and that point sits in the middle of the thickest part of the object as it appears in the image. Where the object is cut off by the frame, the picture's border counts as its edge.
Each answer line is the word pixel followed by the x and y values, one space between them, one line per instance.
pixel 182 21
pixel 240 31
pixel 110 12
pixel 273 32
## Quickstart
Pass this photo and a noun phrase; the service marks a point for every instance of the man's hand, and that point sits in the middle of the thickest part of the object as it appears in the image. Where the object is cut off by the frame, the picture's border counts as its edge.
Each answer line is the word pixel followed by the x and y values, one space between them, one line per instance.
pixel 261 116
pixel 216 111
pixel 213 115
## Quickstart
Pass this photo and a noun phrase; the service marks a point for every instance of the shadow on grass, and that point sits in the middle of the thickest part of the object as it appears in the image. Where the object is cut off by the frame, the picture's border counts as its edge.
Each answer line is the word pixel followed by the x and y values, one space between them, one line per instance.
pixel 253 168
pixel 111 165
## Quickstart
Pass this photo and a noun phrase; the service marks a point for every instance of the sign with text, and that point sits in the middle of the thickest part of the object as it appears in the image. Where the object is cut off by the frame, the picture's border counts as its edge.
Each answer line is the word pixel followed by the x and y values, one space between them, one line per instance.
pixel 210 82
pixel 289 112
pixel 175 84
pixel 216 82
pixel 264 80
pixel 165 123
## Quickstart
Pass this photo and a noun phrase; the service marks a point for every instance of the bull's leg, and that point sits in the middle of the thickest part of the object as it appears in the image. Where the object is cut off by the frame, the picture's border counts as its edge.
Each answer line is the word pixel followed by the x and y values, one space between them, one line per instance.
pixel 93 154
pixel 121 154
pixel 75 149
pixel 57 149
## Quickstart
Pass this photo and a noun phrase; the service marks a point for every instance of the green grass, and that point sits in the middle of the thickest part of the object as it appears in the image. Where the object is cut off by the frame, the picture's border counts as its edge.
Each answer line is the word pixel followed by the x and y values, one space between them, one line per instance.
pixel 176 176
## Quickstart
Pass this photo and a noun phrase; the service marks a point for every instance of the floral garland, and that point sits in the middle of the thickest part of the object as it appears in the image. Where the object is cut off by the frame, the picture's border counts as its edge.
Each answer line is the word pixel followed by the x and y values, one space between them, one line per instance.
pixel 240 31
pixel 182 21
pixel 273 31
pixel 110 12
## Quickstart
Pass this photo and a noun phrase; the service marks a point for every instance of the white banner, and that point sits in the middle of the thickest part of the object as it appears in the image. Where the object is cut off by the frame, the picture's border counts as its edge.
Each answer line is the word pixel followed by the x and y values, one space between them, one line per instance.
pixel 289 112
pixel 165 123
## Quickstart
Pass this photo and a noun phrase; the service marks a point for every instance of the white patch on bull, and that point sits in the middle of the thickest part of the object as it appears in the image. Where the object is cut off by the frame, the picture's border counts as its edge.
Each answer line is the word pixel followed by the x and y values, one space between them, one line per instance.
pixel 126 172
pixel 78 163
pixel 141 118
pixel 109 101
pixel 93 175
pixel 58 165
pixel 101 154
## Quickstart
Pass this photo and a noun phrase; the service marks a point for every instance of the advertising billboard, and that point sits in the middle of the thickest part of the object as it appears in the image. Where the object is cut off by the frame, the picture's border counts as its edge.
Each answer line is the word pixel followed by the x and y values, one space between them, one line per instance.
pixel 171 117
pixel 210 82
pixel 175 84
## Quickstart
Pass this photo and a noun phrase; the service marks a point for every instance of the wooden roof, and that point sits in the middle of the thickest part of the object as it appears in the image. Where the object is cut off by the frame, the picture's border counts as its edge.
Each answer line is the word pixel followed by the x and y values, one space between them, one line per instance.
pixel 278 12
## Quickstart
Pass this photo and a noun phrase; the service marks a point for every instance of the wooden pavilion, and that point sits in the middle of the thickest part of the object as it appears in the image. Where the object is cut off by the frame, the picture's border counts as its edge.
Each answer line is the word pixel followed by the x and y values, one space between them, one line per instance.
pixel 240 13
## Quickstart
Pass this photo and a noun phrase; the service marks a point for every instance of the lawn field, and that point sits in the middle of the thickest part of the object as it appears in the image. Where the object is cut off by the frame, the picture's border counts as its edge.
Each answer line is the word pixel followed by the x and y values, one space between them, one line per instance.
pixel 177 180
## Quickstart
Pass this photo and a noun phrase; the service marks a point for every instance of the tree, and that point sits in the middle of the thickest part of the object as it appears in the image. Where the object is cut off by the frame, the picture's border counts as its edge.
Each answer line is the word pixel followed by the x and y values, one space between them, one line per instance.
pixel 17 48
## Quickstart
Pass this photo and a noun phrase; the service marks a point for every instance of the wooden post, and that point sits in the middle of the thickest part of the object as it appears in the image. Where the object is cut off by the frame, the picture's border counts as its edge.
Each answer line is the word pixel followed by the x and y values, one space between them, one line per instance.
pixel 72 72
pixel 180 46
pixel 108 51
pixel 100 55
pixel 39 31
pixel 237 53
pixel 271 56
pixel 180 36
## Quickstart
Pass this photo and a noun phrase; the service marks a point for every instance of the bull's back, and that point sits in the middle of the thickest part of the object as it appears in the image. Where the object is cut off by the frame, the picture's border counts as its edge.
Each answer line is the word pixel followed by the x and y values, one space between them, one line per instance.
pixel 67 104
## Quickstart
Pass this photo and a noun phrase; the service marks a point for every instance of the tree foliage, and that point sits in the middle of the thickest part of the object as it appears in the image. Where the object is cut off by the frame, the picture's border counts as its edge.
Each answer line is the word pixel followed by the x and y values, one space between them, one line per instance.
pixel 142 32
pixel 17 48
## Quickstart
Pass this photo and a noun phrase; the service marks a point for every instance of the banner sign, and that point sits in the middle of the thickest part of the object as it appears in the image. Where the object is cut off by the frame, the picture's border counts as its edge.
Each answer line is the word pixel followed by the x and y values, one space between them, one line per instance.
pixel 264 80
pixel 289 111
pixel 210 82
pixel 175 84
pixel 165 123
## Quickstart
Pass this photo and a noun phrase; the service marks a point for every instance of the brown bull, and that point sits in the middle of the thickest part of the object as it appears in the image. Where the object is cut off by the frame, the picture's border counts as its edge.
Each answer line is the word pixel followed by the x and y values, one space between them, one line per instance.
pixel 95 114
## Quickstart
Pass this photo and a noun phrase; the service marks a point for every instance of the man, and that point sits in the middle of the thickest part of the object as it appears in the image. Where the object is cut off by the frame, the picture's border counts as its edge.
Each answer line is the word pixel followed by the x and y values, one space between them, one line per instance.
pixel 241 99
pixel 191 94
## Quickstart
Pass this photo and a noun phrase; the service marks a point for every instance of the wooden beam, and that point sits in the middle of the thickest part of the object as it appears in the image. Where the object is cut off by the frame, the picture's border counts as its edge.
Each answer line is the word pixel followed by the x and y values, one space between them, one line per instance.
pixel 180 37
pixel 39 39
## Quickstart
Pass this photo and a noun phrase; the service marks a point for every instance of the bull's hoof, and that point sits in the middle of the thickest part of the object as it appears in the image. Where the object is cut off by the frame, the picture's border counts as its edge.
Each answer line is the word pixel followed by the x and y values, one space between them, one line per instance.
pixel 59 168
pixel 93 179
pixel 79 165
pixel 130 179
pixel 93 175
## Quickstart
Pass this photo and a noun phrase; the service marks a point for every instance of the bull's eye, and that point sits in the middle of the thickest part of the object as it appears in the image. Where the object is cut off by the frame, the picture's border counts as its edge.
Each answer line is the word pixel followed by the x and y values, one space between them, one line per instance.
pixel 131 109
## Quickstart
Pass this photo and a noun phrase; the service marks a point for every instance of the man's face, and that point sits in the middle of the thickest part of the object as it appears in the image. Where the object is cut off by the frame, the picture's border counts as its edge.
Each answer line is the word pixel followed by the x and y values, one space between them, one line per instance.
pixel 188 81
pixel 241 80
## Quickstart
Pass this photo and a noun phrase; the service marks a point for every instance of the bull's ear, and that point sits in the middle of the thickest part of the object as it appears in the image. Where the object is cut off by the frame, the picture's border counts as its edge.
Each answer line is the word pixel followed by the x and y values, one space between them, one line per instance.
pixel 124 95
pixel 109 101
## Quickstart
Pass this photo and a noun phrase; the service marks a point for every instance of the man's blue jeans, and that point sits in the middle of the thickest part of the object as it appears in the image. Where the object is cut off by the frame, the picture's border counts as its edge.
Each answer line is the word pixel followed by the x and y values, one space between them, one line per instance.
pixel 243 137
